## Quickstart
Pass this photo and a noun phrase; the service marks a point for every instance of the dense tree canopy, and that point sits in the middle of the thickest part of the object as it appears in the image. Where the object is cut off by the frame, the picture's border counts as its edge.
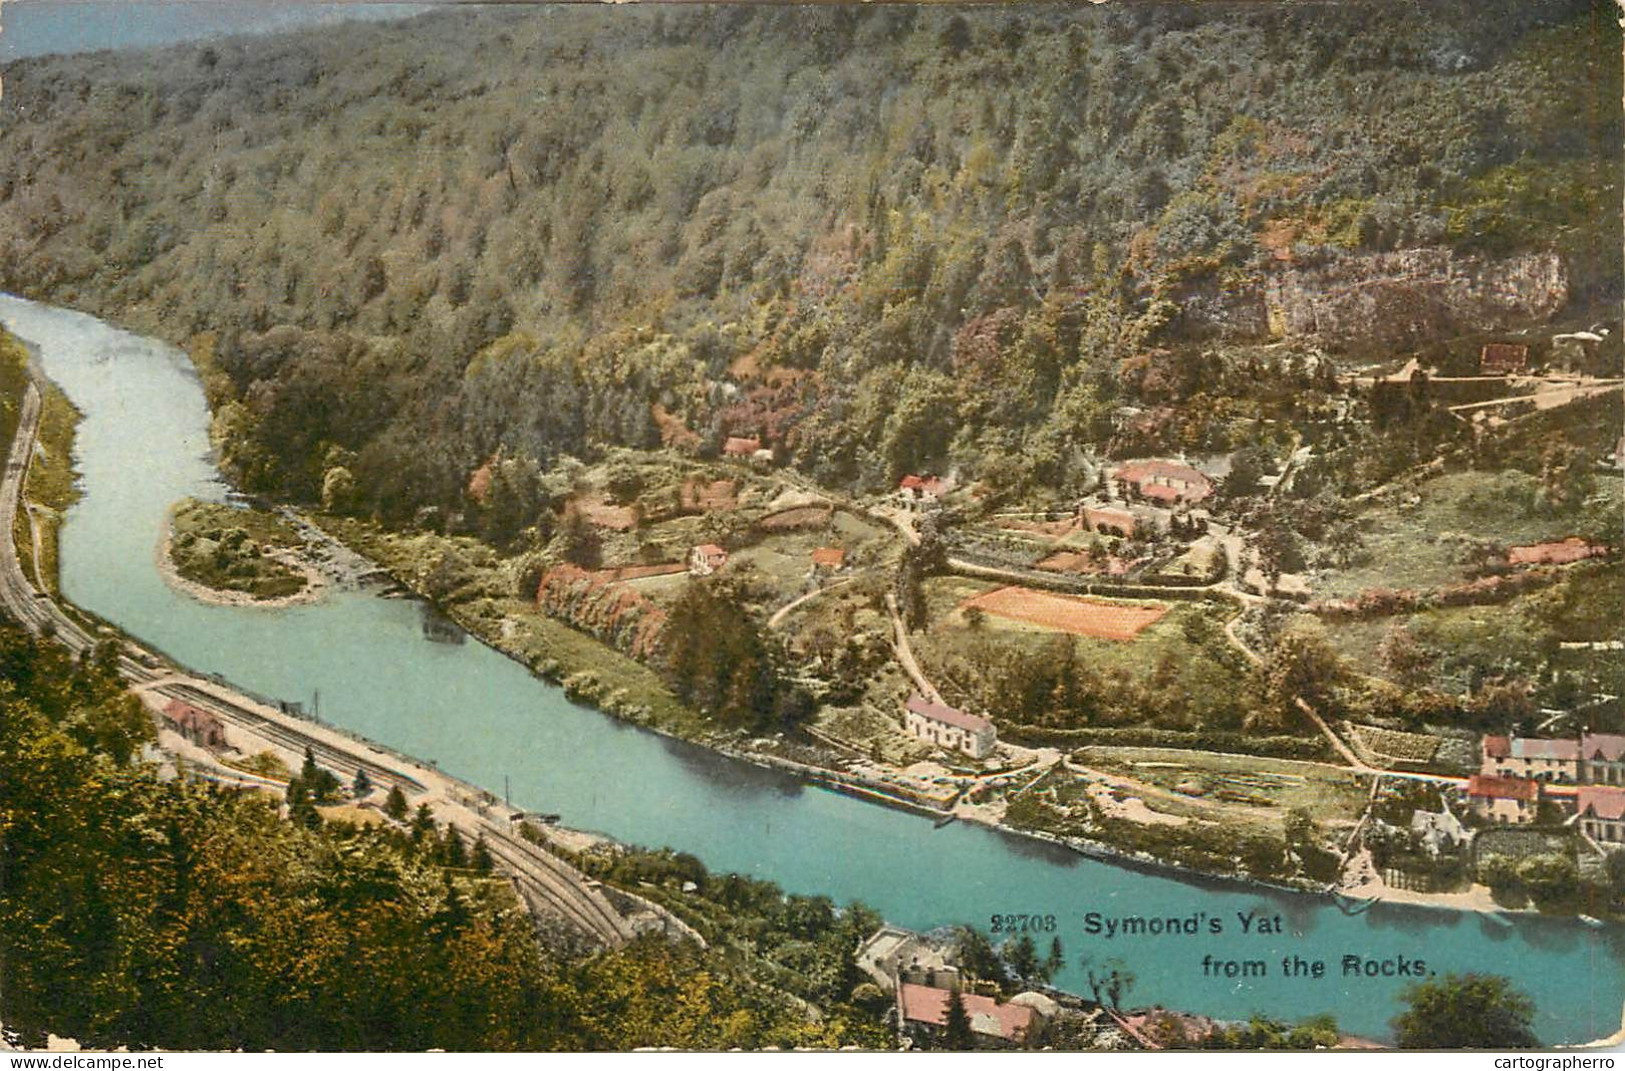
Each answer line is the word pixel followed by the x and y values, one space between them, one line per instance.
pixel 1468 1011
pixel 151 913
pixel 401 249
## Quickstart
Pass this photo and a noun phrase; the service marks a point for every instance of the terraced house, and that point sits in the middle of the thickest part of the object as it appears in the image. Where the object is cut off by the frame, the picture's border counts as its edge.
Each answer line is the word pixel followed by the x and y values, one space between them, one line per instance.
pixel 1552 761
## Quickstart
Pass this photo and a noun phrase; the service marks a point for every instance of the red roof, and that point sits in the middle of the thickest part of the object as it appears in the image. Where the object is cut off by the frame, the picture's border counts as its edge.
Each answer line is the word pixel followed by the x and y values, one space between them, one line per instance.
pixel 1497 747
pixel 830 556
pixel 1161 491
pixel 929 484
pixel 1602 802
pixel 1503 788
pixel 1603 747
pixel 1144 473
pixel 737 446
pixel 925 1004
pixel 922 706
pixel 710 550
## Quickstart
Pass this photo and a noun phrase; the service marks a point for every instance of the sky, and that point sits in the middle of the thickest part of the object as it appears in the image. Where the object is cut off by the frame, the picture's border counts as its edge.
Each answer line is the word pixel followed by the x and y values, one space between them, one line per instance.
pixel 39 27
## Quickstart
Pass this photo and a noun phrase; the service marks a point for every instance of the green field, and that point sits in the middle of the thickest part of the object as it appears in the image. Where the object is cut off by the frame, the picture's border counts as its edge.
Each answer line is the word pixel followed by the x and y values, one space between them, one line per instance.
pixel 1261 784
pixel 1424 541
pixel 1521 635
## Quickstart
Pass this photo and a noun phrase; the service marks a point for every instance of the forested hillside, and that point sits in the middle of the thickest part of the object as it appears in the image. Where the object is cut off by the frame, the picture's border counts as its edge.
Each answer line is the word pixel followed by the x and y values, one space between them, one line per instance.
pixel 159 913
pixel 880 239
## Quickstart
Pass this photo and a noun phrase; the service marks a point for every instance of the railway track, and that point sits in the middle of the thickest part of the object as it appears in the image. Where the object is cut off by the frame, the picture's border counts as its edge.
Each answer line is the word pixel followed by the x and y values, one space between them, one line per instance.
pixel 545 882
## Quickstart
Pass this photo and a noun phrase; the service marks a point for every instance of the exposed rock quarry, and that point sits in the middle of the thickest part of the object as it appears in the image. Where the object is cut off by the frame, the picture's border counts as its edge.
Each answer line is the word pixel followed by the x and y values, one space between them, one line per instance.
pixel 1397 298
pixel 1381 299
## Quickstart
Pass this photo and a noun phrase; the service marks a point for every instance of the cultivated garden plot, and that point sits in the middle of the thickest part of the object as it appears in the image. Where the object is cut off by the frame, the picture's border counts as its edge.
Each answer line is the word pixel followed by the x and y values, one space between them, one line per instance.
pixel 1067 613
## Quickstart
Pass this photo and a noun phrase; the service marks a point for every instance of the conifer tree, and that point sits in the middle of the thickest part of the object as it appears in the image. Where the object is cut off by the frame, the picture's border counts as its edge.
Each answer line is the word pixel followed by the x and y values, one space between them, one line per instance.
pixel 956 1031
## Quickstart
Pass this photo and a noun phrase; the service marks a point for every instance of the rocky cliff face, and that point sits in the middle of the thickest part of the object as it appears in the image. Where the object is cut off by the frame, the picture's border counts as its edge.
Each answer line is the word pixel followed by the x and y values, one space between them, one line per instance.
pixel 1380 300
pixel 1388 299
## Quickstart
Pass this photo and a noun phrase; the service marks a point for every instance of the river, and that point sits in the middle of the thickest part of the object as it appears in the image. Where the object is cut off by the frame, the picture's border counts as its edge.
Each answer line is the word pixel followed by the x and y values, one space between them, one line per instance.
pixel 143 444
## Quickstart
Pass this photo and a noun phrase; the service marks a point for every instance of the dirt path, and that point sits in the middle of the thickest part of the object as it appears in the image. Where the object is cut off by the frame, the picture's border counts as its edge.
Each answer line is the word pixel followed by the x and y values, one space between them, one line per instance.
pixel 785 611
pixel 905 653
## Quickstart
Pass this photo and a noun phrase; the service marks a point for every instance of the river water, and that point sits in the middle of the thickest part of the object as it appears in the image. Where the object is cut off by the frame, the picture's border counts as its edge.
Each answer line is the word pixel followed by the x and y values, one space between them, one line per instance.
pixel 143 444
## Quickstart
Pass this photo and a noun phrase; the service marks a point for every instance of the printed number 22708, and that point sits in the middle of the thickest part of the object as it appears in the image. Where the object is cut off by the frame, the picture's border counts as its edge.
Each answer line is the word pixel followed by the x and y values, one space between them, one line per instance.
pixel 1023 923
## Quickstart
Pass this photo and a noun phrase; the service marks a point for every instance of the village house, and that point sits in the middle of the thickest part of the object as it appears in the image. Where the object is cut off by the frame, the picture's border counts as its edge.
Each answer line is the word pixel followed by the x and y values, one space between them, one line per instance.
pixel 1503 358
pixel 922 490
pixel 942 725
pixel 198 726
pixel 1439 831
pixel 1507 800
pixel 1602 758
pixel 1601 813
pixel 1555 761
pixel 706 559
pixel 925 1008
pixel 828 560
pixel 1166 482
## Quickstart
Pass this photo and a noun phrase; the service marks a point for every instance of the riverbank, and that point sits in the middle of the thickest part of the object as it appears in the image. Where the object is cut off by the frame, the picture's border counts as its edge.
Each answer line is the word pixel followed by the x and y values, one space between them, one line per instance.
pixel 596 680
pixel 51 485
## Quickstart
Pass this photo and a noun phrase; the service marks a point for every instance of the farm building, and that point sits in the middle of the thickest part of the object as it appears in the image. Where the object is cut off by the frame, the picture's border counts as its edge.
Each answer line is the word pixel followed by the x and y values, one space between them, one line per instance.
pixel 706 559
pixel 1602 815
pixel 1508 800
pixel 925 1008
pixel 198 726
pixel 940 724
pixel 1602 758
pixel 1500 358
pixel 739 446
pixel 1166 482
pixel 828 559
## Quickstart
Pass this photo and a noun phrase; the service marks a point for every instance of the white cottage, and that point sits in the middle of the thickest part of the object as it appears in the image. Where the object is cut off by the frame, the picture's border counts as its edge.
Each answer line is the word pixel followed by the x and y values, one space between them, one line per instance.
pixel 942 725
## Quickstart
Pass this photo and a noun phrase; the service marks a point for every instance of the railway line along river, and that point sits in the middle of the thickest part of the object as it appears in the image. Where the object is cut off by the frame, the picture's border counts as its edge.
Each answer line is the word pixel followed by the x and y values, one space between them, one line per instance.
pixel 144 444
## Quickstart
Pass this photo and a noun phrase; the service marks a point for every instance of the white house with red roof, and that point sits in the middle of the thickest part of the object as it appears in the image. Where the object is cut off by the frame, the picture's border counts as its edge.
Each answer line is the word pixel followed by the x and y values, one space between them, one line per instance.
pixel 942 725
pixel 1165 482
pixel 1602 758
pixel 915 489
pixel 706 559
pixel 1601 812
pixel 1507 800
pixel 993 1023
